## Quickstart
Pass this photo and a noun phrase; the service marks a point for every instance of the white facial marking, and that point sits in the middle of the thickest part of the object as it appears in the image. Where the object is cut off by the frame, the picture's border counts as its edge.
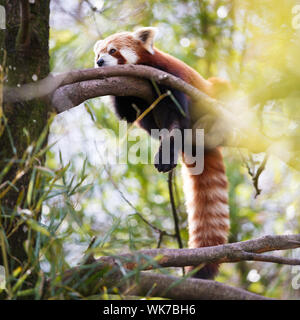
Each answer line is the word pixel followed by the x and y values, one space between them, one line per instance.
pixel 108 60
pixel 109 47
pixel 129 55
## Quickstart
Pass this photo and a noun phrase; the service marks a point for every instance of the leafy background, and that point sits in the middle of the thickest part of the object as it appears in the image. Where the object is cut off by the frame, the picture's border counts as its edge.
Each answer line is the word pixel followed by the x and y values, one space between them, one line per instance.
pixel 252 44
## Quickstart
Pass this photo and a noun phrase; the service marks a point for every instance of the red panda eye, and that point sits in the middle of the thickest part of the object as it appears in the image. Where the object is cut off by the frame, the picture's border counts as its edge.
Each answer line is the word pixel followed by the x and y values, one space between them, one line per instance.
pixel 112 51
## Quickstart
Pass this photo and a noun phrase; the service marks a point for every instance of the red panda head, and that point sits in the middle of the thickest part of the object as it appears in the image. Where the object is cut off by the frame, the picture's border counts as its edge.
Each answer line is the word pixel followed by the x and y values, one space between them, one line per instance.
pixel 125 48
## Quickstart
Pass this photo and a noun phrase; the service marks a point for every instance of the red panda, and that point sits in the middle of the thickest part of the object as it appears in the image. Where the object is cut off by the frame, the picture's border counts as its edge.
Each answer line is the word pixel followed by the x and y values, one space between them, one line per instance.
pixel 206 194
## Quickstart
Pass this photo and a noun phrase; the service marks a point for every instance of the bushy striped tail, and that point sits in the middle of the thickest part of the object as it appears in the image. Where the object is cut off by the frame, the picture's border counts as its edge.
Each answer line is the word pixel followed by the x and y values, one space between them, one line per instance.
pixel 207 206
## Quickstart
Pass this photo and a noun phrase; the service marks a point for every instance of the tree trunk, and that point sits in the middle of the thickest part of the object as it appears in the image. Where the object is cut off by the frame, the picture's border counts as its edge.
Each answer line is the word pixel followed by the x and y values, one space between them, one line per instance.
pixel 24 58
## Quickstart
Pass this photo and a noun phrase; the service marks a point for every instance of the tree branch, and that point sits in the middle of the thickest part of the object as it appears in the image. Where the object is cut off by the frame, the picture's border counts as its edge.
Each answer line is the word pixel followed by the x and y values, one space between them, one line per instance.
pixel 69 89
pixel 71 95
pixel 161 232
pixel 234 252
pixel 124 271
pixel 91 279
pixel 174 211
pixel 192 289
pixel 50 84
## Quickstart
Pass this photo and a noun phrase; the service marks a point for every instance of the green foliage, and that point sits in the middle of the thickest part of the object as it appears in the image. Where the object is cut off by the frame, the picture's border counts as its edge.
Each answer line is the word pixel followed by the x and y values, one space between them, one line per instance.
pixel 108 209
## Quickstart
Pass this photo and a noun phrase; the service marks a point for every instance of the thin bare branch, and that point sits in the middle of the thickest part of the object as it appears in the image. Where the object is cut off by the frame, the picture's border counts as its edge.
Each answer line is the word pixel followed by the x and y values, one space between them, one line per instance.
pixel 174 211
pixel 161 232
pixel 259 171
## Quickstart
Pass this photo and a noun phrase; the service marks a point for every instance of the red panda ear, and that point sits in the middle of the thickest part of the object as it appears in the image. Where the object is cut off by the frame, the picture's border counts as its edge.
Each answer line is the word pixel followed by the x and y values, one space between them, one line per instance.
pixel 97 46
pixel 146 36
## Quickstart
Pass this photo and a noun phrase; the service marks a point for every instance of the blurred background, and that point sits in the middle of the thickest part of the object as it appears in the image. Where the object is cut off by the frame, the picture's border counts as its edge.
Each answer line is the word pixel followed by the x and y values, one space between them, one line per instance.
pixel 255 45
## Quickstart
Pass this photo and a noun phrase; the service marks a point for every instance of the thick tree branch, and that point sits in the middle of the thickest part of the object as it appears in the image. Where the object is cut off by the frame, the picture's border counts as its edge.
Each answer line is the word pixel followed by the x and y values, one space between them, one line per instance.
pixel 193 289
pixel 68 96
pixel 124 271
pixel 229 128
pixel 240 251
pixel 49 85
pixel 110 274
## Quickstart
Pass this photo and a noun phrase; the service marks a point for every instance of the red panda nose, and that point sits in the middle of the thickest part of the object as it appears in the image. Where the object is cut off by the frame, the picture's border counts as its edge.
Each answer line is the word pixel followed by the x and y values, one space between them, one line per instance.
pixel 100 62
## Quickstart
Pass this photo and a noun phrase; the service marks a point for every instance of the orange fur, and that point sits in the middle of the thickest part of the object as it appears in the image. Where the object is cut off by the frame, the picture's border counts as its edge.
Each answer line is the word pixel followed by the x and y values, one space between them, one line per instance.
pixel 207 206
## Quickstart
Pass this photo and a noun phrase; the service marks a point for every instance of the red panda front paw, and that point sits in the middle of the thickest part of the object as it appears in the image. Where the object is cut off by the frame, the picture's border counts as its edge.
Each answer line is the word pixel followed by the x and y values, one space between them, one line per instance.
pixel 165 164
pixel 164 167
